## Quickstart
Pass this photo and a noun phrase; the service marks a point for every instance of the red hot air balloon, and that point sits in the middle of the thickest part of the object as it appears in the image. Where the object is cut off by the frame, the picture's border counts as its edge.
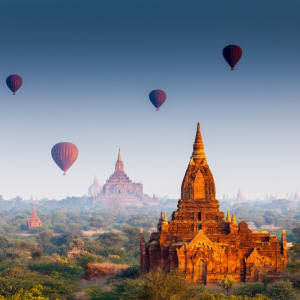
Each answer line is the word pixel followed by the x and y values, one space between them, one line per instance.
pixel 64 154
pixel 14 82
pixel 232 54
pixel 157 98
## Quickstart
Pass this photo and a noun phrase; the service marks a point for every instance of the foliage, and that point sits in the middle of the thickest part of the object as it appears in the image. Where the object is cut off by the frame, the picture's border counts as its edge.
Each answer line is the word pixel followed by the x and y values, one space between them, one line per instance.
pixel 294 252
pixel 281 290
pixel 250 289
pixel 131 272
pixel 34 293
pixel 94 291
pixel 227 283
pixel 69 271
pixel 109 239
pixel 296 234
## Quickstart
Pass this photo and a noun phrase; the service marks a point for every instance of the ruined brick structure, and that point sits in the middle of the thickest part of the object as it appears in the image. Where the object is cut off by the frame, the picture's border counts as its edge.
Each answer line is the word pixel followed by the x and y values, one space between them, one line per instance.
pixel 200 242
pixel 120 191
pixel 34 220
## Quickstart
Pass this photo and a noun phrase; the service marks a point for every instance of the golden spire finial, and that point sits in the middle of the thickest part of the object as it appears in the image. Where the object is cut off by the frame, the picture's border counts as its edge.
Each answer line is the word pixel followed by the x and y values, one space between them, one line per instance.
pixel 234 219
pixel 165 219
pixel 198 152
pixel 228 218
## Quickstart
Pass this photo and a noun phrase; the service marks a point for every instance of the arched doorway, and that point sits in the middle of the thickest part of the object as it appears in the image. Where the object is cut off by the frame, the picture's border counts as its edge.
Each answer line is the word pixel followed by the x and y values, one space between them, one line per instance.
pixel 201 268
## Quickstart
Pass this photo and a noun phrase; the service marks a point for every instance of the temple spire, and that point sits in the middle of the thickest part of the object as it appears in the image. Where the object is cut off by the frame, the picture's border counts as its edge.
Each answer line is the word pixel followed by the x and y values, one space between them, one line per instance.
pixel 165 220
pixel 228 218
pixel 119 164
pixel 34 214
pixel 198 152
pixel 234 219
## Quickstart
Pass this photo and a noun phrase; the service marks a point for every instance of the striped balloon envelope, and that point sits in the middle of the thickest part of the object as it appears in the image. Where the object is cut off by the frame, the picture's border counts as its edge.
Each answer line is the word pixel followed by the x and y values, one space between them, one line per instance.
pixel 64 154
pixel 14 82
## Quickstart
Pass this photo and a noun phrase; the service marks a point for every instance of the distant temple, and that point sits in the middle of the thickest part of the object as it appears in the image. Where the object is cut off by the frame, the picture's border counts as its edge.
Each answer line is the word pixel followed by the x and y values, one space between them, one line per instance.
pixel 201 243
pixel 95 189
pixel 34 220
pixel 121 191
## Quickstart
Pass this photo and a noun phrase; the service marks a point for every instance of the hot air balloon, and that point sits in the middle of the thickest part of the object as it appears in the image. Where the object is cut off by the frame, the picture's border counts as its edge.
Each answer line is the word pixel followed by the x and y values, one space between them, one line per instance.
pixel 64 154
pixel 14 82
pixel 157 98
pixel 232 54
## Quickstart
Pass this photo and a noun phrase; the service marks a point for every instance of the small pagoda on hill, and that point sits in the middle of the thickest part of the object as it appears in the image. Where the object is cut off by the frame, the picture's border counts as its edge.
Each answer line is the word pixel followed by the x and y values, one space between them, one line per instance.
pixel 201 243
pixel 34 220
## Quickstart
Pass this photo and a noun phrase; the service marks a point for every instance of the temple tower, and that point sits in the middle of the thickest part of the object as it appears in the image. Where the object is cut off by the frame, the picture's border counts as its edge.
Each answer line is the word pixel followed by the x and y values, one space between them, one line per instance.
pixel 198 205
pixel 201 243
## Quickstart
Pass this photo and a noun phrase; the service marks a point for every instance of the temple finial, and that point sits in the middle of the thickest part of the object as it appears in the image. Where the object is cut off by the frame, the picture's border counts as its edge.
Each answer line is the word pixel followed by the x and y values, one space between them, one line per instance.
pixel 198 152
pixel 228 218
pixel 233 219
pixel 165 221
pixel 119 155
pixel 119 164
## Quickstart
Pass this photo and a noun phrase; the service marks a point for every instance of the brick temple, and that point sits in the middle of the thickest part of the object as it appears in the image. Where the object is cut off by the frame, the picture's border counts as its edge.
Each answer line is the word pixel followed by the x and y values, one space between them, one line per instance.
pixel 34 220
pixel 120 191
pixel 201 243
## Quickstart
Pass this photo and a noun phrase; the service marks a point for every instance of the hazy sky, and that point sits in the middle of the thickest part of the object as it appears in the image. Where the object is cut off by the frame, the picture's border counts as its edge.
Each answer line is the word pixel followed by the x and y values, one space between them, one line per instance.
pixel 88 67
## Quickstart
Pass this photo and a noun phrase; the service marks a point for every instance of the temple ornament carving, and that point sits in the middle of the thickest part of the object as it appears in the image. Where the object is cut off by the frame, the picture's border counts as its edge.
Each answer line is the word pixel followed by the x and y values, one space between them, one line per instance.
pixel 201 242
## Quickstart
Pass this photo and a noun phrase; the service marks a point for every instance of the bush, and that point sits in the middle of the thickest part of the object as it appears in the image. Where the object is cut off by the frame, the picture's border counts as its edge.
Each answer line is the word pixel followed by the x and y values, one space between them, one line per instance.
pixel 282 290
pixel 250 289
pixel 131 272
pixel 293 266
pixel 66 270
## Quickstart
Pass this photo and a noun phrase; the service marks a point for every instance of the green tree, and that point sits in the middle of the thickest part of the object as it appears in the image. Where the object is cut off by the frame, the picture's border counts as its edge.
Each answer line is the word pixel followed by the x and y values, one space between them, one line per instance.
pixel 110 239
pixel 133 238
pixel 227 283
pixel 96 222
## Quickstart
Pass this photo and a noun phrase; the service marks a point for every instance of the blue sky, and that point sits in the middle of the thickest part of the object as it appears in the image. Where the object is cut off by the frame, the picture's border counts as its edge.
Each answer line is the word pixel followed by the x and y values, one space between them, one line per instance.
pixel 88 67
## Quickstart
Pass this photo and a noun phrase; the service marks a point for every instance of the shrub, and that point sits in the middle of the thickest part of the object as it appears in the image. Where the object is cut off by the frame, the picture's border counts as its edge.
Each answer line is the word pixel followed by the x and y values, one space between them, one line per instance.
pixel 227 283
pixel 66 270
pixel 250 289
pixel 282 290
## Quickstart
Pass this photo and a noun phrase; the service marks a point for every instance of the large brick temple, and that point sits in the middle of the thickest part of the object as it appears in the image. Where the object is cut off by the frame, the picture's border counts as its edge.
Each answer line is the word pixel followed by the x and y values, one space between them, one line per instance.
pixel 120 191
pixel 201 243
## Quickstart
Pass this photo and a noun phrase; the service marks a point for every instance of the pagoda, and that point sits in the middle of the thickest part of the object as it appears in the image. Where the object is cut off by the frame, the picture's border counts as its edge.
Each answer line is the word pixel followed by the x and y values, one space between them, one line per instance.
pixel 201 243
pixel 120 191
pixel 95 189
pixel 34 220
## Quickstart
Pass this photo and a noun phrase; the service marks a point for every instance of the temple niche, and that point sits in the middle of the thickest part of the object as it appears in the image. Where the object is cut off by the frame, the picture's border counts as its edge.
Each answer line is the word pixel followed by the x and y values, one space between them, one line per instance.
pixel 120 191
pixel 202 243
